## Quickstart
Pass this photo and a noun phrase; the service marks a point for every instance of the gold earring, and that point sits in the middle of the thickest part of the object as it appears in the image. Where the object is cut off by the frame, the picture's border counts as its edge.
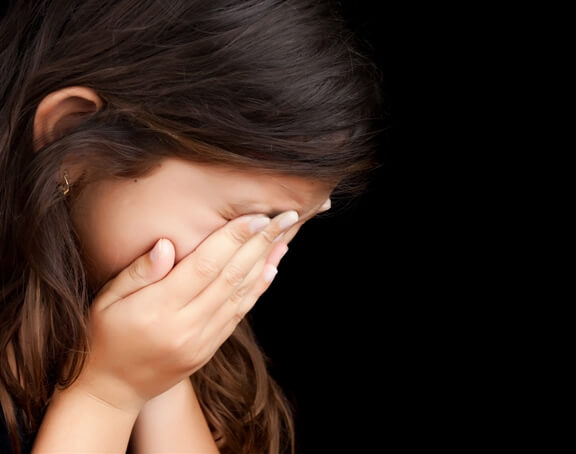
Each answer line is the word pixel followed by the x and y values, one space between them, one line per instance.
pixel 65 187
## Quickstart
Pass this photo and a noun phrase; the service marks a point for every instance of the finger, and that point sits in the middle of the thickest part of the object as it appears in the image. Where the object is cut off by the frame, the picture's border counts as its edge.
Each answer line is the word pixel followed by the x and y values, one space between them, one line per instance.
pixel 259 279
pixel 213 261
pixel 193 273
pixel 145 270
pixel 241 263
pixel 231 314
pixel 289 235
pixel 244 298
pixel 256 282
pixel 278 251
pixel 226 319
pixel 261 275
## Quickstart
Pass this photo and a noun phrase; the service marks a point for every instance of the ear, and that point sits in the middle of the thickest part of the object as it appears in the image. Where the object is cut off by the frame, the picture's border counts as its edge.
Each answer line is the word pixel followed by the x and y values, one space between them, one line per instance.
pixel 61 110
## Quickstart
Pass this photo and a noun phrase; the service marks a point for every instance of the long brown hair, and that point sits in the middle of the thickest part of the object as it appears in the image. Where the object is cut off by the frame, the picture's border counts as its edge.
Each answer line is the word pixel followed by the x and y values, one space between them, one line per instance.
pixel 274 84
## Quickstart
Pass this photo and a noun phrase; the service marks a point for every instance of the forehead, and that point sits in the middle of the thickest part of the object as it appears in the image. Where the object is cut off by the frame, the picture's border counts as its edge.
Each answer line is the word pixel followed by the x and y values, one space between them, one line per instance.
pixel 251 190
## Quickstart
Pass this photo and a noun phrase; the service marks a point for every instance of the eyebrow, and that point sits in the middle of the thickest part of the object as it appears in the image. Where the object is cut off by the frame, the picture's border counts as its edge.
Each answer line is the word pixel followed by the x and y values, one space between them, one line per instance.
pixel 242 208
pixel 246 208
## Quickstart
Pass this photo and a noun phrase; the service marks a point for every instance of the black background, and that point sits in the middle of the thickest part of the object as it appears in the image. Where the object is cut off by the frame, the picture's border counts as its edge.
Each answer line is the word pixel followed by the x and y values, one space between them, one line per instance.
pixel 341 320
pixel 383 324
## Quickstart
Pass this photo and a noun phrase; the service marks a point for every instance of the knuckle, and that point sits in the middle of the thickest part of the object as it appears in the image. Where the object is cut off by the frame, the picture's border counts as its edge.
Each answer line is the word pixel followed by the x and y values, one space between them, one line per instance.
pixel 207 268
pixel 233 276
pixel 269 235
pixel 238 233
pixel 137 272
pixel 176 343
pixel 238 317
pixel 239 294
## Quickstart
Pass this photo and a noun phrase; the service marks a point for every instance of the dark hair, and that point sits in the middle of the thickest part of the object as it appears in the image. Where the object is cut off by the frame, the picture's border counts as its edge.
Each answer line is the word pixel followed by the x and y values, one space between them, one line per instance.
pixel 277 85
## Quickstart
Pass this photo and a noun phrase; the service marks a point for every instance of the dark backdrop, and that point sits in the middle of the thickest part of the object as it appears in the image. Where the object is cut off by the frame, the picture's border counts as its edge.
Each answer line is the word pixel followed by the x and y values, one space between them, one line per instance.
pixel 336 322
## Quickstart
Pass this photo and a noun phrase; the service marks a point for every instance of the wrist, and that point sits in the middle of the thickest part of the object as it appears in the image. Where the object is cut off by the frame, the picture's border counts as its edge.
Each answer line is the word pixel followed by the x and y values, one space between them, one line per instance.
pixel 173 422
pixel 173 398
pixel 77 420
pixel 109 392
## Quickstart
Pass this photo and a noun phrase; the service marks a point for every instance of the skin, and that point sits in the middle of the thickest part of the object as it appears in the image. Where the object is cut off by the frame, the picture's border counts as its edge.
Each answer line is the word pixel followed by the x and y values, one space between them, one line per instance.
pixel 164 314
pixel 180 256
pixel 118 221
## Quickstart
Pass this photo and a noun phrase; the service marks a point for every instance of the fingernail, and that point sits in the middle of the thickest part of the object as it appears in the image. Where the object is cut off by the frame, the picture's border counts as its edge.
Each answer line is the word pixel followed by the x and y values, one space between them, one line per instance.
pixel 287 219
pixel 277 253
pixel 326 205
pixel 283 252
pixel 259 223
pixel 156 250
pixel 270 273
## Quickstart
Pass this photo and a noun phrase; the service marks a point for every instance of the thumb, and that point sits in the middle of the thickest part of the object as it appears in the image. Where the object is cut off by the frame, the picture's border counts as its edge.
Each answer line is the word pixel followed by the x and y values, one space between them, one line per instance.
pixel 143 271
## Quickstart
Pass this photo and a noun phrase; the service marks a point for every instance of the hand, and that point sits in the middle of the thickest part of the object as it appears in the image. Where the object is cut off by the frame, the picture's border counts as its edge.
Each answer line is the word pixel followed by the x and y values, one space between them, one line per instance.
pixel 156 323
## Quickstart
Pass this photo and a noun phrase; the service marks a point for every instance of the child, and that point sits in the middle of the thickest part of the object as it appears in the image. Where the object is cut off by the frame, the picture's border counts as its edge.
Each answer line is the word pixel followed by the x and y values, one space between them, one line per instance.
pixel 156 158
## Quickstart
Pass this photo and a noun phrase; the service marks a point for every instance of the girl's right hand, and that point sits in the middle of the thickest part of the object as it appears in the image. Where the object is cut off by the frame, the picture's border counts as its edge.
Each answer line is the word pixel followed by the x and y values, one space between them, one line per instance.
pixel 156 323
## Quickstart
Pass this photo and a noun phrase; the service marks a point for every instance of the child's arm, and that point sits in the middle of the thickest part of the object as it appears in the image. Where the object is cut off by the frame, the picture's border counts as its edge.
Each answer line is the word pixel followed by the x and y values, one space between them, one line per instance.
pixel 76 420
pixel 173 422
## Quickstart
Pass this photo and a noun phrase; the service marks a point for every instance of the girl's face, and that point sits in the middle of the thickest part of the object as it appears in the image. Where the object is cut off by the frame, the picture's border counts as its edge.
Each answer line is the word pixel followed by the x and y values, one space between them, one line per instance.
pixel 119 220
